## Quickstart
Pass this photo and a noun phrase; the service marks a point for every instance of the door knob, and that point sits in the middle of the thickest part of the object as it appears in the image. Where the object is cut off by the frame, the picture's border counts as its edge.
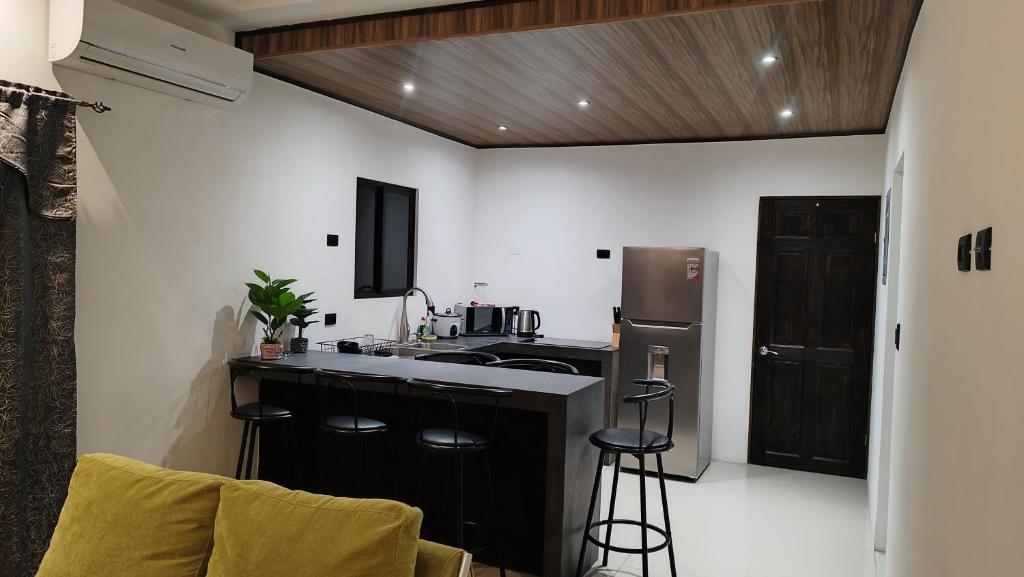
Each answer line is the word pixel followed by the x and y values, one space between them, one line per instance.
pixel 765 351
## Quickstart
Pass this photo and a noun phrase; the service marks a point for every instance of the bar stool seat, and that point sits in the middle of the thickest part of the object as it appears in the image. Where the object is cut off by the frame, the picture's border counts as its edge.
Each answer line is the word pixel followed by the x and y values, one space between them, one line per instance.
pixel 452 439
pixel 349 424
pixel 631 441
pixel 261 412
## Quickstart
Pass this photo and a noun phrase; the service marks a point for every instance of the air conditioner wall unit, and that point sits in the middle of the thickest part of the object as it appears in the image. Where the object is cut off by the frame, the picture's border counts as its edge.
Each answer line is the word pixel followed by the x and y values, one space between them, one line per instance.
pixel 108 39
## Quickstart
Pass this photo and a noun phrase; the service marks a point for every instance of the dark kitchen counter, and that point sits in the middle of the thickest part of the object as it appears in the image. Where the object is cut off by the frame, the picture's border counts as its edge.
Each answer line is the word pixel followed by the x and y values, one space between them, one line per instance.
pixel 531 382
pixel 542 458
pixel 591 358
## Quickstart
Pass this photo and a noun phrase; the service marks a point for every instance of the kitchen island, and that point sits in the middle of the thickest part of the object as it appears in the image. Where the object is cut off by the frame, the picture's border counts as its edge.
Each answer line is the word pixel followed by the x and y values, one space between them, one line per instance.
pixel 542 460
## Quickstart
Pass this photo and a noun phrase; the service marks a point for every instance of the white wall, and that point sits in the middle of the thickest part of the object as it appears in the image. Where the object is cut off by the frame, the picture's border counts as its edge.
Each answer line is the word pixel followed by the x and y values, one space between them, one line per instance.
pixel 958 430
pixel 179 202
pixel 542 213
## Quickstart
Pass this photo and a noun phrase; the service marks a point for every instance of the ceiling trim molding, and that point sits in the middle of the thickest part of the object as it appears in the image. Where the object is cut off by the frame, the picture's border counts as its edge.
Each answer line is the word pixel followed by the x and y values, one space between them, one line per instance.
pixel 467 19
pixel 685 140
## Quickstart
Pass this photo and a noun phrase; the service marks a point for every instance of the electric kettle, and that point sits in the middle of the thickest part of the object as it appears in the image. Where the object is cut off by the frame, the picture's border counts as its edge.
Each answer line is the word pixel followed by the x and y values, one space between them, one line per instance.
pixel 528 323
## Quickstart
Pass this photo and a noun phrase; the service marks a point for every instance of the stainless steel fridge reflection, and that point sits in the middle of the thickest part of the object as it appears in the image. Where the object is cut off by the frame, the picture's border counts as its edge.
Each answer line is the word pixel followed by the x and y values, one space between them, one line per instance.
pixel 669 301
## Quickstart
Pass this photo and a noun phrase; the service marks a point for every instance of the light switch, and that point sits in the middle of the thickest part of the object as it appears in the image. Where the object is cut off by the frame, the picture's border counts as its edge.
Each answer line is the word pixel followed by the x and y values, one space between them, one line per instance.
pixel 963 253
pixel 983 249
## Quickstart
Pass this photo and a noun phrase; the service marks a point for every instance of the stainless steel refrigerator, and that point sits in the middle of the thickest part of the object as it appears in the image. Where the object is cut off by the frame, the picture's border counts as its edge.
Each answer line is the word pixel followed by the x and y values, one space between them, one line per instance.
pixel 669 301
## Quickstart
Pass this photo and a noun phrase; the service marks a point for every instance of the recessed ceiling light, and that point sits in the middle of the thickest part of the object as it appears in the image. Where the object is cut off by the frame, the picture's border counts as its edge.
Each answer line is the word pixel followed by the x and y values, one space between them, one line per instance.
pixel 583 103
pixel 786 113
pixel 409 87
pixel 769 59
pixel 502 127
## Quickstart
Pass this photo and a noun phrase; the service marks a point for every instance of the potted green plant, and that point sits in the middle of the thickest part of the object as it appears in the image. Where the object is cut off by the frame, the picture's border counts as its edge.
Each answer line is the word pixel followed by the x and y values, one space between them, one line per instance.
pixel 272 304
pixel 300 319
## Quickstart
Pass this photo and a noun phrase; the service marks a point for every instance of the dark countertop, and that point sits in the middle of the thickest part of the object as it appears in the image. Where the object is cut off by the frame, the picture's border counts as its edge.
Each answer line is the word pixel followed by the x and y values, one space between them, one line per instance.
pixel 516 380
pixel 541 347
pixel 476 343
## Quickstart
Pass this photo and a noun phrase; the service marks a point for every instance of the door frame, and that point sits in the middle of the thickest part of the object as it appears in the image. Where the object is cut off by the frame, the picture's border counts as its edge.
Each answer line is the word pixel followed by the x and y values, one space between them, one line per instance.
pixel 887 377
pixel 870 353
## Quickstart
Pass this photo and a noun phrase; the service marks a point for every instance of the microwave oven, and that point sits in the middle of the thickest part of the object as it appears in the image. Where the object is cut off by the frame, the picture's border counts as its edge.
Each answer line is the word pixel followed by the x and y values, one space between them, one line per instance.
pixel 485 320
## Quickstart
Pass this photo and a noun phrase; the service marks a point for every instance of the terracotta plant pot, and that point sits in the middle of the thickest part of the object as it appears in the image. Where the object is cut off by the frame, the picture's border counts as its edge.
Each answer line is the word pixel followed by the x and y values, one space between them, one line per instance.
pixel 299 345
pixel 271 351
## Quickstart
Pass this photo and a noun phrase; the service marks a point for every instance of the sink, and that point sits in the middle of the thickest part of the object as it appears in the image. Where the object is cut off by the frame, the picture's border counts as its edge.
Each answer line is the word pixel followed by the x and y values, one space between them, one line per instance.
pixel 414 348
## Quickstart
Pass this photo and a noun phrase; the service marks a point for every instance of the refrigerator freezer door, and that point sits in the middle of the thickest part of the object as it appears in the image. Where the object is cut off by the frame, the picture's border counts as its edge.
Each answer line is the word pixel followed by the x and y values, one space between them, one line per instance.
pixel 663 284
pixel 673 353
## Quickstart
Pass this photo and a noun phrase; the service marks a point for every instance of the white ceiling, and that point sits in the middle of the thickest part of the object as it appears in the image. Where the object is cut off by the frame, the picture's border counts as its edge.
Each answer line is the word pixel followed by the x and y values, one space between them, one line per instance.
pixel 250 14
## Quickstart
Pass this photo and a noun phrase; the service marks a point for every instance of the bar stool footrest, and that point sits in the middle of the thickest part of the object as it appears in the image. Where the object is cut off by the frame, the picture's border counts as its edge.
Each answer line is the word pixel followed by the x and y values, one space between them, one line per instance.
pixel 629 550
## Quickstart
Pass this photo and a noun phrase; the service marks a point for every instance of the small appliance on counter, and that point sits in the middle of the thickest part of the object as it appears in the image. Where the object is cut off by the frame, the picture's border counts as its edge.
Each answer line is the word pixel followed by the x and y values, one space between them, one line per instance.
pixel 511 317
pixel 446 324
pixel 482 320
pixel 528 323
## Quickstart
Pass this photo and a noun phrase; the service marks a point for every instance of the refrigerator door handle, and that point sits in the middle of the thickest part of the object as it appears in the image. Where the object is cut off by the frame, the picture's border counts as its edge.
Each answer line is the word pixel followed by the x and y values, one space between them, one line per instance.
pixel 661 327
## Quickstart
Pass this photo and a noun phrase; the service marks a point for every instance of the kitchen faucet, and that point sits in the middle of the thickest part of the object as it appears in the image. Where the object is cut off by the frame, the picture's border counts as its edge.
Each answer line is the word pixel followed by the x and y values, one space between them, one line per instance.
pixel 403 325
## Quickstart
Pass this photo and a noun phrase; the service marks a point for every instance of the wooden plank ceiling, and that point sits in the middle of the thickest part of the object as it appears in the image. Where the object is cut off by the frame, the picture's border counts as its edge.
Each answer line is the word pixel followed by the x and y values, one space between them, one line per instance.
pixel 652 70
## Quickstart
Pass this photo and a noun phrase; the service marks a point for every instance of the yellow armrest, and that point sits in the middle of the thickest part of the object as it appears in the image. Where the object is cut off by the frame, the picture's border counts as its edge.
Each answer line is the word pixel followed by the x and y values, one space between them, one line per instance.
pixel 436 560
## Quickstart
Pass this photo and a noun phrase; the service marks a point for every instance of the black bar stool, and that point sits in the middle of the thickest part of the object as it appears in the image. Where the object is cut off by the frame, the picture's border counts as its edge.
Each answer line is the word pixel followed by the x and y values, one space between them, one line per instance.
pixel 459 357
pixel 540 365
pixel 448 436
pixel 258 414
pixel 352 424
pixel 639 443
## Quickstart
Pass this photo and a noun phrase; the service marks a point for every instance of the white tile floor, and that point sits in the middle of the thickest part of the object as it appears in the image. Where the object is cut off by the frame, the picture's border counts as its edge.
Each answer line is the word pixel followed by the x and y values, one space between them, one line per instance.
pixel 749 521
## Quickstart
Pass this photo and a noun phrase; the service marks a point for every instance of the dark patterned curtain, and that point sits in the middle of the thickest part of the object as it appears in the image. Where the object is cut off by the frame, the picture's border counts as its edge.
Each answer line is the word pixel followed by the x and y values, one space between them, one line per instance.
pixel 37 319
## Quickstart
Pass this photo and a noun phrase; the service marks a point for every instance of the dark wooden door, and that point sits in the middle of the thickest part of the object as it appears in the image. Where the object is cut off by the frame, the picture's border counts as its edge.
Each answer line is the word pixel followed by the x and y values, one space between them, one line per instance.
pixel 813 333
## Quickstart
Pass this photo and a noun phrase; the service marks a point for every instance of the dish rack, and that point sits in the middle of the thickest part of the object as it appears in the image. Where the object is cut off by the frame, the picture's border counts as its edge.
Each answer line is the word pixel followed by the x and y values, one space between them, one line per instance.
pixel 368 345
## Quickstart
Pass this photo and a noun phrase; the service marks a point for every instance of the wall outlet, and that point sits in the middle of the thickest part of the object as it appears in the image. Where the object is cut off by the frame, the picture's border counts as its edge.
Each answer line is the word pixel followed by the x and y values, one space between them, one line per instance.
pixel 330 319
pixel 604 253
pixel 332 240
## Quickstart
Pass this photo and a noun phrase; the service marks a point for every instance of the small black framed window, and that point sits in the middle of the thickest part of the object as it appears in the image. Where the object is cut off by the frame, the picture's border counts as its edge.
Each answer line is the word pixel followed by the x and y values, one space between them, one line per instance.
pixel 385 239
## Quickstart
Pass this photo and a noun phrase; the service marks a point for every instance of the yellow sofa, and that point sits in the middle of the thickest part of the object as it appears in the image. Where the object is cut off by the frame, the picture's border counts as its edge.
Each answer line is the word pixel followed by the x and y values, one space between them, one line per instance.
pixel 124 518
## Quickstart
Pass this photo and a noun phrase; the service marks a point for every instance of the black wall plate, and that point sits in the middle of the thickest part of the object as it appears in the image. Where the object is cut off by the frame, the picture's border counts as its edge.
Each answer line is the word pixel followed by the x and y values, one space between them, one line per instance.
pixel 604 253
pixel 963 253
pixel 983 249
pixel 330 319
pixel 332 240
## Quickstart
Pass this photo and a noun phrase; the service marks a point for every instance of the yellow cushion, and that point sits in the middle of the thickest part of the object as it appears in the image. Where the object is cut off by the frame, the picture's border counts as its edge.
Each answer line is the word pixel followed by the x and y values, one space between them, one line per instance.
pixel 436 560
pixel 123 518
pixel 267 531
